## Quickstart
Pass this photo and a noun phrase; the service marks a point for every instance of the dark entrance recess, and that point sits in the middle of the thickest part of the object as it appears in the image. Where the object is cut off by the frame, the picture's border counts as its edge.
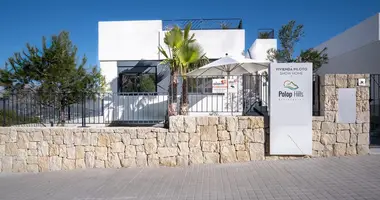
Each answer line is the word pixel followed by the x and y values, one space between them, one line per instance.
pixel 374 104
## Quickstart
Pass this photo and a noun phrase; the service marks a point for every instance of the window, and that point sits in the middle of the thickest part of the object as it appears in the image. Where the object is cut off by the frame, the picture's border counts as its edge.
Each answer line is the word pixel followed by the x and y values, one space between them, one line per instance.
pixel 137 79
pixel 201 85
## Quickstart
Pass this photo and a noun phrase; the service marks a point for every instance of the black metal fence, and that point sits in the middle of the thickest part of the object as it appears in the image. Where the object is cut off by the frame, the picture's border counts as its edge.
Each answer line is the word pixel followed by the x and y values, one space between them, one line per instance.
pixel 255 95
pixel 31 109
pixel 316 95
pixel 375 109
pixel 214 95
pixel 246 94
pixel 204 24
pixel 204 95
pixel 267 33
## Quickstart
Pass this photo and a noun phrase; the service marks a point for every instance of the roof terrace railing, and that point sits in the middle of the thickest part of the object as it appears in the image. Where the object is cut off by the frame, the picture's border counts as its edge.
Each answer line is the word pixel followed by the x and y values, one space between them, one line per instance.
pixel 267 33
pixel 204 24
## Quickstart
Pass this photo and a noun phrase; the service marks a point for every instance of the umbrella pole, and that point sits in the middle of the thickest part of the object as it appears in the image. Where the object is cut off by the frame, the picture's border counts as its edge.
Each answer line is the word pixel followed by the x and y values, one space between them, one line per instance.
pixel 228 79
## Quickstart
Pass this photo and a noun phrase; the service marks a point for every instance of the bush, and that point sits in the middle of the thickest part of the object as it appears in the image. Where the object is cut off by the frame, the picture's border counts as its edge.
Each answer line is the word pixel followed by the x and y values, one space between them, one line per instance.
pixel 12 118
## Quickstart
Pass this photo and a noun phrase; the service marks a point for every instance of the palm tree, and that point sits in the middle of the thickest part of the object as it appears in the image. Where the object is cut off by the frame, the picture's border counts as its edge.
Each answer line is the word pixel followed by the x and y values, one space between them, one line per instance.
pixel 190 56
pixel 183 55
pixel 174 39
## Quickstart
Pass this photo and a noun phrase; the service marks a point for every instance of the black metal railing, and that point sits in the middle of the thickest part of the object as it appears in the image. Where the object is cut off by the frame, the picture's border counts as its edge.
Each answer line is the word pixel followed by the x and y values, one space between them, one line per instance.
pixel 250 95
pixel 209 94
pixel 256 95
pixel 265 33
pixel 316 95
pixel 111 108
pixel 204 95
pixel 204 24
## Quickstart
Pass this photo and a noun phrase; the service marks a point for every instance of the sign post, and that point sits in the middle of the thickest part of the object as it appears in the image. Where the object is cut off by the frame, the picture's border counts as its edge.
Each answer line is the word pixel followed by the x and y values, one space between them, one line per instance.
pixel 290 111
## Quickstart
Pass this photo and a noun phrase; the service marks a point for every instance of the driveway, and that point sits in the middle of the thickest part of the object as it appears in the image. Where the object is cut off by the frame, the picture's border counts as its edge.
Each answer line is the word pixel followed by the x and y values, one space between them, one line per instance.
pixel 322 178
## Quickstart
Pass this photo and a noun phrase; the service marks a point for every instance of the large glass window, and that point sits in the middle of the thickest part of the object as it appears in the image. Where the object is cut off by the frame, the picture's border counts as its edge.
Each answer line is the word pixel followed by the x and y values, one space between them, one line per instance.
pixel 201 85
pixel 132 81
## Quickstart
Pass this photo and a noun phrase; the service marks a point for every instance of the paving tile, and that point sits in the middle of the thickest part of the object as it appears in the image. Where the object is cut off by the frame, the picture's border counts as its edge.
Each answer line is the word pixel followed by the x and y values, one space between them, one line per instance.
pixel 348 178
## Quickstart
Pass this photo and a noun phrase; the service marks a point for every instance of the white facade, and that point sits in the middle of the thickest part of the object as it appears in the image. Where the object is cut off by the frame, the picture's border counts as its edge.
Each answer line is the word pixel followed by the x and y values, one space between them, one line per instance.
pixel 354 51
pixel 259 49
pixel 128 40
pixel 125 44
pixel 357 51
pixel 139 40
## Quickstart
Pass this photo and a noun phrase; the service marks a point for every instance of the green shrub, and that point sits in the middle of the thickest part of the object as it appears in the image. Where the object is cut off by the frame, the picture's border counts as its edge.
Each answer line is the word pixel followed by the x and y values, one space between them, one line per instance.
pixel 12 118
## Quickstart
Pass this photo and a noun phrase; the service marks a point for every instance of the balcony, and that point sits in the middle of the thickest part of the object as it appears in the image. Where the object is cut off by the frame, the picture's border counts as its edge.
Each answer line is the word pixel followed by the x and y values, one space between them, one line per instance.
pixel 204 24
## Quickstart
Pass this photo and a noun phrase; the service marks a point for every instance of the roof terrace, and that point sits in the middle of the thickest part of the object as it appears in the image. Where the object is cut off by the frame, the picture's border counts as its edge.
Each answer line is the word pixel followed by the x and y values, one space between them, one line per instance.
pixel 204 24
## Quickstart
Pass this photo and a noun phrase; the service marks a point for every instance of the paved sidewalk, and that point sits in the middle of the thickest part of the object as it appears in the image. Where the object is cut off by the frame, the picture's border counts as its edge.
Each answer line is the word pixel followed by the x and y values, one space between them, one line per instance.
pixel 323 178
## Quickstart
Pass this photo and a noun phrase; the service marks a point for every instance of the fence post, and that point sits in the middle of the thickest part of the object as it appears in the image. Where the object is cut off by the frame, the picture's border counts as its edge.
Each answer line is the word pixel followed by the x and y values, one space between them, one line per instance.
pixel 4 114
pixel 84 110
pixel 102 106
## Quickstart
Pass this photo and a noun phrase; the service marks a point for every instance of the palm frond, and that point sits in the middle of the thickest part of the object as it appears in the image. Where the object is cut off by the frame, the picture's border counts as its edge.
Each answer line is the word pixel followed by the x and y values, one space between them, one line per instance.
pixel 163 52
pixel 203 60
pixel 187 31
pixel 189 53
pixel 191 39
pixel 174 38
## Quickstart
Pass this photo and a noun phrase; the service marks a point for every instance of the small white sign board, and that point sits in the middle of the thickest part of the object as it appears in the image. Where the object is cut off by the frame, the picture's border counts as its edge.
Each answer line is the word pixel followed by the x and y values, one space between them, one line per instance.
pixel 361 82
pixel 291 108
pixel 220 85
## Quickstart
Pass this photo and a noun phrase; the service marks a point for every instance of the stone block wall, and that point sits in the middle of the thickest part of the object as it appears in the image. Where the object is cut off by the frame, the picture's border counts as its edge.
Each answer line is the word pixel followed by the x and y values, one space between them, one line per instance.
pixel 190 140
pixel 331 138
pixel 221 139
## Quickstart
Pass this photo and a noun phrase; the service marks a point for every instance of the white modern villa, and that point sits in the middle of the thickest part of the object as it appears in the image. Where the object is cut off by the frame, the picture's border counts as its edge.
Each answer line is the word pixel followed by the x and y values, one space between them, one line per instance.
pixel 356 50
pixel 130 61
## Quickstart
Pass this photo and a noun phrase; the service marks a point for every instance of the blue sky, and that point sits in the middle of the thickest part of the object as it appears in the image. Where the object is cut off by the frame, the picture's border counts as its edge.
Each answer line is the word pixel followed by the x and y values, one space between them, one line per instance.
pixel 23 21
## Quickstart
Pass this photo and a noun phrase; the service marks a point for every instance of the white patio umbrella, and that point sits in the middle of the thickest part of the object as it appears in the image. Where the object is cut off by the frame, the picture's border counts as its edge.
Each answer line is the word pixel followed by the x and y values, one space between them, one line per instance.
pixel 227 66
pixel 230 66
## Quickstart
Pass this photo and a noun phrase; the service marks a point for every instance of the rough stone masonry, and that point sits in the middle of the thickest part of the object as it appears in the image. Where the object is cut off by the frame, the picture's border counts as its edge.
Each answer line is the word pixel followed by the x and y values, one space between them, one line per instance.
pixel 188 141
pixel 331 138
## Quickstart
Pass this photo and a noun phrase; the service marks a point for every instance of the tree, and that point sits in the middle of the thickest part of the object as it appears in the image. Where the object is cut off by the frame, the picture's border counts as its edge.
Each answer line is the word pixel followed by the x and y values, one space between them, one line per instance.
pixel 224 25
pixel 289 35
pixel 318 58
pixel 176 41
pixel 184 54
pixel 53 74
pixel 173 40
pixel 190 57
pixel 148 83
pixel 264 35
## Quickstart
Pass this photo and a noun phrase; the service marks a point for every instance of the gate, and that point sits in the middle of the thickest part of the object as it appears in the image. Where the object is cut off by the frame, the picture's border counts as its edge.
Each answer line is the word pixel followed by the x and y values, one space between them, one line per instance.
pixel 374 109
pixel 255 94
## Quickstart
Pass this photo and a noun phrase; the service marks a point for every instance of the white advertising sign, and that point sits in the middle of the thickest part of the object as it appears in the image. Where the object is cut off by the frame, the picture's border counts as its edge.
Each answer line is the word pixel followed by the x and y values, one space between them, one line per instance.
pixel 220 85
pixel 290 111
